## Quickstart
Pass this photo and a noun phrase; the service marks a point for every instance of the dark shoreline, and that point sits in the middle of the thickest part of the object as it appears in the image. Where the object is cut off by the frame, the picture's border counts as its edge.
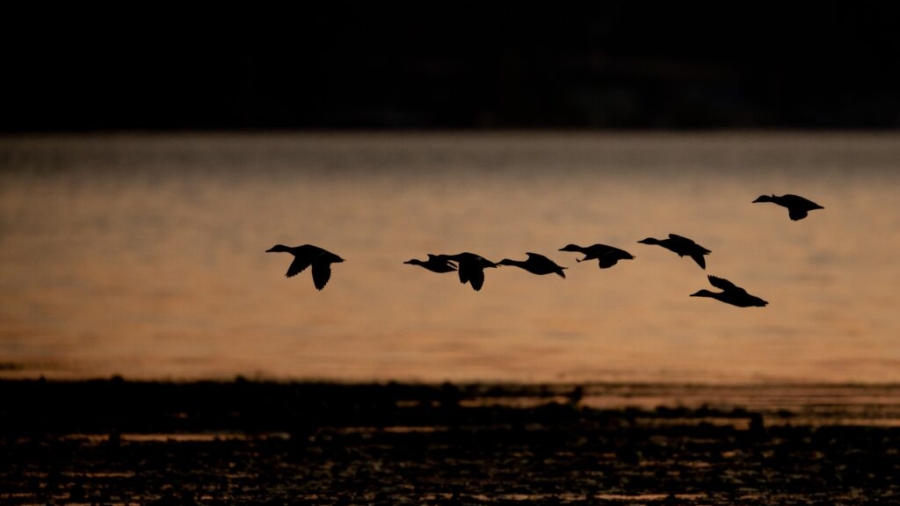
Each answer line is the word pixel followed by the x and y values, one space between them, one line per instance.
pixel 250 442
pixel 257 406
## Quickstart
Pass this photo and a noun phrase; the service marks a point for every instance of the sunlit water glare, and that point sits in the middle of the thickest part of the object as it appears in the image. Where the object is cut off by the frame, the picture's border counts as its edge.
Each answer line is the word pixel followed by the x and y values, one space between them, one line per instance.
pixel 145 256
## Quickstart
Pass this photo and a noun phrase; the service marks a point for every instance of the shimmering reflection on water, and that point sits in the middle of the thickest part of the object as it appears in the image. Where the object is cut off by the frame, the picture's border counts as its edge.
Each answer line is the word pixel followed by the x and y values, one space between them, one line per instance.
pixel 144 256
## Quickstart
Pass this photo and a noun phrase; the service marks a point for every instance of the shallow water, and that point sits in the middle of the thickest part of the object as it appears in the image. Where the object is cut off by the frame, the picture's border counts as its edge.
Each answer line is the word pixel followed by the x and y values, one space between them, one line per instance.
pixel 144 256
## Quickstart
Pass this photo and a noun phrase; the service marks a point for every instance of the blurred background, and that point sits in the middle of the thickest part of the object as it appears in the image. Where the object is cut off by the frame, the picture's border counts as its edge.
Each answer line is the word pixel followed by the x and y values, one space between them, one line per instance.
pixel 461 65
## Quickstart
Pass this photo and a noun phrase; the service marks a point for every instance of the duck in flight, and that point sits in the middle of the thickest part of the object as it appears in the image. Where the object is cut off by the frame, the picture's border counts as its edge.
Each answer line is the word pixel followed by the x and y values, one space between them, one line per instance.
pixel 606 256
pixel 536 264
pixel 307 255
pixel 683 246
pixel 435 263
pixel 730 294
pixel 797 206
pixel 471 268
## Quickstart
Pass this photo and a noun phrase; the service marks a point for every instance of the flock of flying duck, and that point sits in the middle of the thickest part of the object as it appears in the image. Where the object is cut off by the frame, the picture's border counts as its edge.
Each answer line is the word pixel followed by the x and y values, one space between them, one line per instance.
pixel 470 267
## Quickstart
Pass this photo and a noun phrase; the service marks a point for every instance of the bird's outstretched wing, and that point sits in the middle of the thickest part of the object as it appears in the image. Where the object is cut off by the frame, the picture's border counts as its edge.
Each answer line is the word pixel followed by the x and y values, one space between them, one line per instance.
pixel 797 214
pixel 465 273
pixel 476 278
pixel 440 259
pixel 797 200
pixel 612 256
pixel 541 261
pixel 680 239
pixel 687 243
pixel 698 257
pixel 608 259
pixel 321 273
pixel 436 263
pixel 297 266
pixel 723 284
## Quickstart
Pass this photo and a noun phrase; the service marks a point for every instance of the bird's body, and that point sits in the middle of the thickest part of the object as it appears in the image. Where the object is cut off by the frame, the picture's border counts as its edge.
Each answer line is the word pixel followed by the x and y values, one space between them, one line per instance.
pixel 435 263
pixel 682 246
pixel 797 206
pixel 536 264
pixel 606 256
pixel 470 267
pixel 309 255
pixel 730 294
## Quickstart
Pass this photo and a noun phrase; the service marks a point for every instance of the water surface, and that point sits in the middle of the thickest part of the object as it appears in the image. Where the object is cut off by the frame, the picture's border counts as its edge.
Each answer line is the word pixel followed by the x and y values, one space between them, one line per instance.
pixel 144 256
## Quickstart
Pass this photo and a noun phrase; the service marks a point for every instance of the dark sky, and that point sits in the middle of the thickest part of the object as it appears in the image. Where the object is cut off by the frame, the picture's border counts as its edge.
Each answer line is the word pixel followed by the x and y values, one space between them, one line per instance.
pixel 458 65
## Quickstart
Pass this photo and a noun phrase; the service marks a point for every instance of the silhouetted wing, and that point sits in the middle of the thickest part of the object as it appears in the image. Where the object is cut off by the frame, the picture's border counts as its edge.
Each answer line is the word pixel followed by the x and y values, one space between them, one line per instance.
pixel 541 262
pixel 297 266
pixel 438 267
pixel 797 214
pixel 465 274
pixel 686 244
pixel 698 257
pixel 477 279
pixel 680 239
pixel 321 272
pixel 797 200
pixel 612 256
pixel 444 260
pixel 608 259
pixel 438 264
pixel 723 284
pixel 597 251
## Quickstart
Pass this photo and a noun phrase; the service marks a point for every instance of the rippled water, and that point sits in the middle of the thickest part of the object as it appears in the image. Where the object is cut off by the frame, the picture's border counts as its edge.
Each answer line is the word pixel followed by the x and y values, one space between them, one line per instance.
pixel 145 256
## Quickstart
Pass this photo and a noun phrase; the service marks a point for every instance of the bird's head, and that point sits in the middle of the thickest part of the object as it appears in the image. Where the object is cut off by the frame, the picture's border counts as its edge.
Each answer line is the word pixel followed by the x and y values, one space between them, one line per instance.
pixel 278 248
pixel 649 240
pixel 571 247
pixel 764 198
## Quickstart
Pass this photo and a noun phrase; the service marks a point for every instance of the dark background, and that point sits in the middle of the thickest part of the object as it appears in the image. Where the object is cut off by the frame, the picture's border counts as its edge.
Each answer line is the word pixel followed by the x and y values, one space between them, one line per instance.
pixel 456 65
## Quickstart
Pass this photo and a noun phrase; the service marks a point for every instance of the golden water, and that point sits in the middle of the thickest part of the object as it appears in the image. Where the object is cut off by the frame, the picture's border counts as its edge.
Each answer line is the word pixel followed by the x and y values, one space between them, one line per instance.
pixel 144 255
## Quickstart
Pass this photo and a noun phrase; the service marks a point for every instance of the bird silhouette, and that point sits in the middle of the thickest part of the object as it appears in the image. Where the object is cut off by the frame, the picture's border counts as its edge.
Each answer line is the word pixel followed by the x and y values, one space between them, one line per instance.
pixel 606 256
pixel 435 263
pixel 536 264
pixel 797 206
pixel 730 294
pixel 307 255
pixel 471 268
pixel 681 245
